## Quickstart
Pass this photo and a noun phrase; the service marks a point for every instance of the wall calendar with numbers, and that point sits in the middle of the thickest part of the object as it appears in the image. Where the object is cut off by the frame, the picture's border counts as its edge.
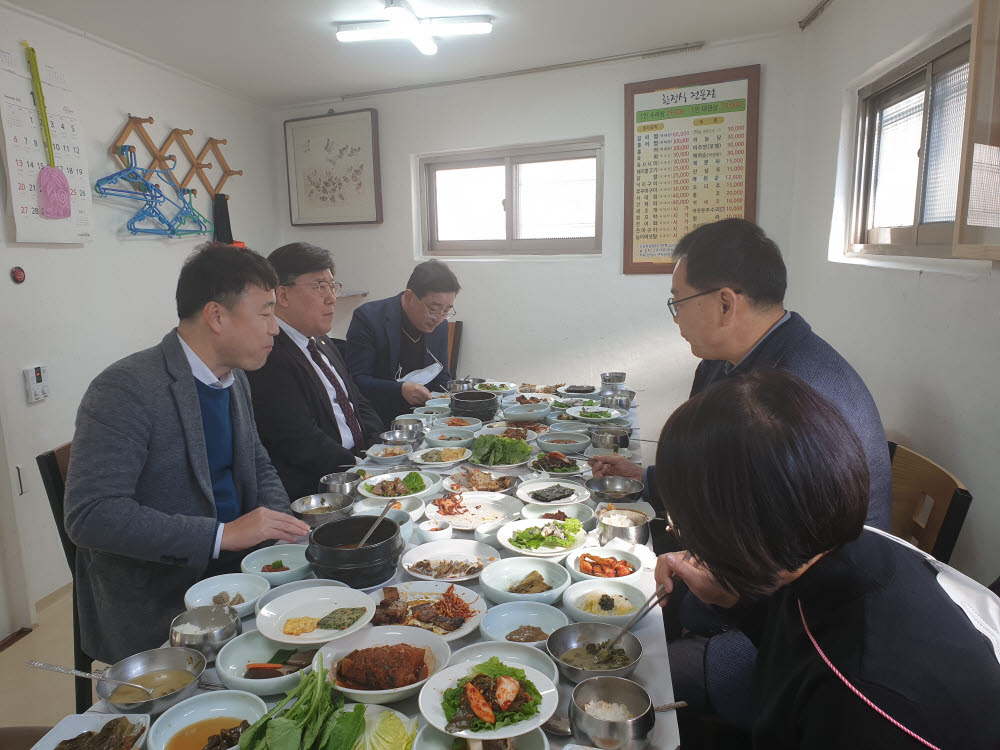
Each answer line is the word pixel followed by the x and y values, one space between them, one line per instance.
pixel 690 159
pixel 24 154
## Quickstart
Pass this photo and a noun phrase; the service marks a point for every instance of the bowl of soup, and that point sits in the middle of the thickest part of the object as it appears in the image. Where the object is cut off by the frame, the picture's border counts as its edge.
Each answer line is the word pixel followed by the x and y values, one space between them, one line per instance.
pixel 172 673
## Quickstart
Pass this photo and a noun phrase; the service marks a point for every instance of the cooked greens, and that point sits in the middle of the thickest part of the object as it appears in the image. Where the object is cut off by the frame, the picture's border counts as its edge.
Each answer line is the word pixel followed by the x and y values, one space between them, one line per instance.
pixel 495 450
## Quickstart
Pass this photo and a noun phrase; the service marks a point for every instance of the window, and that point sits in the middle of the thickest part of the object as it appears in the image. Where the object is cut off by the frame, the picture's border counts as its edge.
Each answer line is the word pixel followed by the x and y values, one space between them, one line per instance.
pixel 907 168
pixel 531 200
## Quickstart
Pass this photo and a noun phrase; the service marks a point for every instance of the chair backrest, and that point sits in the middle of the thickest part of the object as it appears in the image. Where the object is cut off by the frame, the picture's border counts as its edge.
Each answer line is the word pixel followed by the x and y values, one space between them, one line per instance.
pixel 929 504
pixel 53 466
pixel 454 343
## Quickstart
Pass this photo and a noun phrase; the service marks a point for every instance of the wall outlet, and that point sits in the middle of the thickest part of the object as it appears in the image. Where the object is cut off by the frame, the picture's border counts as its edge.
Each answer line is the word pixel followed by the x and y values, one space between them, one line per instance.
pixel 36 383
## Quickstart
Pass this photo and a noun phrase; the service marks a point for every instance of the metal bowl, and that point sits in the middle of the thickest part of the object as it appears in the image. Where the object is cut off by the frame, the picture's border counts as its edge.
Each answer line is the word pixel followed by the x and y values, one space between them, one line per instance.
pixel 333 504
pixel 340 483
pixel 614 489
pixel 412 438
pixel 612 377
pixel 412 424
pixel 184 659
pixel 636 534
pixel 456 386
pixel 609 437
pixel 618 400
pixel 578 634
pixel 221 624
pixel 631 734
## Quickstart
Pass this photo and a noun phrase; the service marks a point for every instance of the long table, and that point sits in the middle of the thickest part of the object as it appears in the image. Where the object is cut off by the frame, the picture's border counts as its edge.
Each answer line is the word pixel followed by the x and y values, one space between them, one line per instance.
pixel 653 671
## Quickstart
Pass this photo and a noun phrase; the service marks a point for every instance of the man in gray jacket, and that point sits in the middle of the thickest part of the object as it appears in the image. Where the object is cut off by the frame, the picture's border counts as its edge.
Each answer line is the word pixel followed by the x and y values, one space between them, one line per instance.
pixel 168 479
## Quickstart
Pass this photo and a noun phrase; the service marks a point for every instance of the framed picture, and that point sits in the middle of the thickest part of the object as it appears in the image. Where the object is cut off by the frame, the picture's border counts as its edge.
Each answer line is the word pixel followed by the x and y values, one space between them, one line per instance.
pixel 333 169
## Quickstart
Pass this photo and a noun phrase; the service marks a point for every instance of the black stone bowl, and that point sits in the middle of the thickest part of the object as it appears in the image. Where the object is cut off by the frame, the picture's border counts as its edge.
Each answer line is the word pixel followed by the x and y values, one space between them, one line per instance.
pixel 478 404
pixel 359 568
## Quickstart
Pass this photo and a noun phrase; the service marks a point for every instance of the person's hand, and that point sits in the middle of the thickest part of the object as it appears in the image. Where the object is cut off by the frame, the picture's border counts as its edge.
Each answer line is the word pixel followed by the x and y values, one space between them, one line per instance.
pixel 261 525
pixel 415 394
pixel 615 466
pixel 697 577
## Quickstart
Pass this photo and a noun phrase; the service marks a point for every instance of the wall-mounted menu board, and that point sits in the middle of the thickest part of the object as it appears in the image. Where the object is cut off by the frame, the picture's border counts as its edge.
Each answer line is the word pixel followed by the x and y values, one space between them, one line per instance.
pixel 690 159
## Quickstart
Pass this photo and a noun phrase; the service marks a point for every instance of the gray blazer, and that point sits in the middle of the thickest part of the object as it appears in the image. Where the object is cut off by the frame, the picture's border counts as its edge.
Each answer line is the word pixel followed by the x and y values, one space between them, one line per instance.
pixel 139 503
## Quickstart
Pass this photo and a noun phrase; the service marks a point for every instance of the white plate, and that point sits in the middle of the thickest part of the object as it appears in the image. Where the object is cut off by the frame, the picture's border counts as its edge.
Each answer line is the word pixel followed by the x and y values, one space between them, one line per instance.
pixel 508 530
pixel 565 399
pixel 449 549
pixel 577 413
pixel 580 468
pixel 434 689
pixel 412 504
pixel 592 451
pixel 501 425
pixel 449 485
pixel 312 602
pixel 510 653
pixel 507 387
pixel 499 466
pixel 253 587
pixel 595 394
pixel 605 586
pixel 411 590
pixel 511 398
pixel 232 703
pixel 499 431
pixel 418 457
pixel 430 738
pixel 483 507
pixel 580 494
pixel 429 481
pixel 384 635
pixel 76 724
pixel 572 563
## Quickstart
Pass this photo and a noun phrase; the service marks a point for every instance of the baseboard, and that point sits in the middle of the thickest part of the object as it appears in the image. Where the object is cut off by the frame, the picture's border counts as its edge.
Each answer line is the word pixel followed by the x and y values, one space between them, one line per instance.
pixel 13 638
pixel 50 599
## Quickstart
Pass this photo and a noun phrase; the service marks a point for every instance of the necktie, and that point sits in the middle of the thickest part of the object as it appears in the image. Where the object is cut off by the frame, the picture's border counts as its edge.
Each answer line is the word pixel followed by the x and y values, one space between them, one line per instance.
pixel 342 401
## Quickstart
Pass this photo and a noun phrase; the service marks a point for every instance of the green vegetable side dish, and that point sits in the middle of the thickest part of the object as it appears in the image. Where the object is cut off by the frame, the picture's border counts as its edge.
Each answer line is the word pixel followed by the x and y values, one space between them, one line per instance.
pixel 315 721
pixel 562 534
pixel 563 405
pixel 412 481
pixel 494 450
pixel 595 413
pixel 494 668
pixel 341 619
pixel 491 387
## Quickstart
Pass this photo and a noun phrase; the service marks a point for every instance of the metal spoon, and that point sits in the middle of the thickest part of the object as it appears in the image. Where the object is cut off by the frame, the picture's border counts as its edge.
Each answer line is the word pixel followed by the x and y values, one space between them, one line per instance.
pixel 559 723
pixel 88 675
pixel 385 510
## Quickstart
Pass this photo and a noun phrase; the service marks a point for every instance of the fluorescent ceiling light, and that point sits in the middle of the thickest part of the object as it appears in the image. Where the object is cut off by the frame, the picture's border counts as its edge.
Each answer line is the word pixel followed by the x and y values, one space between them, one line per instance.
pixel 404 24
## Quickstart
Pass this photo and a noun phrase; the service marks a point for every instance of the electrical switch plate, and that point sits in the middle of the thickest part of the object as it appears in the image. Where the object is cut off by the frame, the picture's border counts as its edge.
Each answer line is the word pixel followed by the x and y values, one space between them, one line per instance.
pixel 36 383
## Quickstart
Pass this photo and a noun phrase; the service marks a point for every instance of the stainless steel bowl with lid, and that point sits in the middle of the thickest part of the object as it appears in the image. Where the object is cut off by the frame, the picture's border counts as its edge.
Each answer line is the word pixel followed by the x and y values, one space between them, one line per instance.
pixel 618 400
pixel 631 734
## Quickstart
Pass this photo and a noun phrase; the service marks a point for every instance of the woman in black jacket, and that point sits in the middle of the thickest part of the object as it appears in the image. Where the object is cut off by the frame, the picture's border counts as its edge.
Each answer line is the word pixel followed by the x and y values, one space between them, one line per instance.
pixel 767 486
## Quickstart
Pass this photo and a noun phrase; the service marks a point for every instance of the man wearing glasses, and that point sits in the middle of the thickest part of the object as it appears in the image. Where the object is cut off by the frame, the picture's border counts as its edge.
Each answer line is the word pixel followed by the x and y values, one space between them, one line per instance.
pixel 311 416
pixel 727 298
pixel 397 348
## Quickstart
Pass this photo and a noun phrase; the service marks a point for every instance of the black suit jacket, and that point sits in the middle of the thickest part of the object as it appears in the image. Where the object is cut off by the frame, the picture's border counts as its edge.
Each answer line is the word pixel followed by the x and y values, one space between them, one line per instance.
pixel 295 417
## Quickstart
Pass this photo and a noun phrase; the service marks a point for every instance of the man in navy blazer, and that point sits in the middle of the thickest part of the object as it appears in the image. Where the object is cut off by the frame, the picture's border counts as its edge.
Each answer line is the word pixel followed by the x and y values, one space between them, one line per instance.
pixel 397 348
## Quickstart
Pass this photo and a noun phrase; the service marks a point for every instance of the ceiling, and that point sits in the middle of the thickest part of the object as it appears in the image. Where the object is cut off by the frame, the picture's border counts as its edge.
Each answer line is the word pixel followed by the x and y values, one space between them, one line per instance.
pixel 284 52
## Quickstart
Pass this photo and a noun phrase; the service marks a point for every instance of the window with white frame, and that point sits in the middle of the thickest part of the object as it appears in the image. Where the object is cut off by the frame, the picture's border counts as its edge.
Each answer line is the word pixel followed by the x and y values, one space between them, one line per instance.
pixel 543 199
pixel 907 164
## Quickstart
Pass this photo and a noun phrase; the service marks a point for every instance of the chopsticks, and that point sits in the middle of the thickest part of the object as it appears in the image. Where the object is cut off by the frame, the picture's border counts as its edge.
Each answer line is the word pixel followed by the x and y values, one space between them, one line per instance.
pixel 657 596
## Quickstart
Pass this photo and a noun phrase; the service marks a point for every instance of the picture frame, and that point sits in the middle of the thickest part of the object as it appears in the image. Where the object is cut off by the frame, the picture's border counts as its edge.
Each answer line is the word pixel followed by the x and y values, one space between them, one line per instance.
pixel 333 168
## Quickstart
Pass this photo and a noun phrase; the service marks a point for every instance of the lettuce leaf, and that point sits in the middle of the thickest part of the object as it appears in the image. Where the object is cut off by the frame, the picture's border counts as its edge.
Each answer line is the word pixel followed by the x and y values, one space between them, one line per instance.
pixel 495 450
pixel 494 668
pixel 531 538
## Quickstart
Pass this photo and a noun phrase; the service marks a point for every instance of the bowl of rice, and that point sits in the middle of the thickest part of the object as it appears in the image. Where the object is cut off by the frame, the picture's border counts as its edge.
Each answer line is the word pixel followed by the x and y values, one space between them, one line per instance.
pixel 611 712
pixel 602 600
pixel 628 525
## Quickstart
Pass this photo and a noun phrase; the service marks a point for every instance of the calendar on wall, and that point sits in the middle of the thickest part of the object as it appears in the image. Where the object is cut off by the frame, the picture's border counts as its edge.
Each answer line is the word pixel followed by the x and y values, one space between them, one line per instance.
pixel 24 154
pixel 690 159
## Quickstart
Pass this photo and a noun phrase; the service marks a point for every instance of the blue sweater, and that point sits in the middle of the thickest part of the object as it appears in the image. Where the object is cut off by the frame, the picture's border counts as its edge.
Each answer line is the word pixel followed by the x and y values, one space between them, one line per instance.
pixel 218 426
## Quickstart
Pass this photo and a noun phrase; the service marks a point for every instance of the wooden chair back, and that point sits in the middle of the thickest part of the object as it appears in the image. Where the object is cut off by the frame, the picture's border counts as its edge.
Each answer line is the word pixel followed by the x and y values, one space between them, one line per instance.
pixel 929 504
pixel 454 344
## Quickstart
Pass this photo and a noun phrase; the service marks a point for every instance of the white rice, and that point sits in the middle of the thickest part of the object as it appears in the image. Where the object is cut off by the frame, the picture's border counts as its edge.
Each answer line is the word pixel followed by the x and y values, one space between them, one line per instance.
pixel 608 711
pixel 189 628
pixel 616 519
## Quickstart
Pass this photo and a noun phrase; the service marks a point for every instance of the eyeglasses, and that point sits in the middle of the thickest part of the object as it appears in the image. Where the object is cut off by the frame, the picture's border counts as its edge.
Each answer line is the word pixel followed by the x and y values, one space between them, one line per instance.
pixel 451 312
pixel 321 287
pixel 672 303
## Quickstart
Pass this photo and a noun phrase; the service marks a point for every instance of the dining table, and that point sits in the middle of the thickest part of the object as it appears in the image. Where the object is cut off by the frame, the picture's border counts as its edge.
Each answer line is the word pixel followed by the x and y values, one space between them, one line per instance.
pixel 652 672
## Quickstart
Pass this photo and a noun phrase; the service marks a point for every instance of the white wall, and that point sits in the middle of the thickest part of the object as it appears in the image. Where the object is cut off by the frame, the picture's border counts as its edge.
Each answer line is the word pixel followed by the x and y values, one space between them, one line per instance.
pixel 926 343
pixel 81 308
pixel 544 320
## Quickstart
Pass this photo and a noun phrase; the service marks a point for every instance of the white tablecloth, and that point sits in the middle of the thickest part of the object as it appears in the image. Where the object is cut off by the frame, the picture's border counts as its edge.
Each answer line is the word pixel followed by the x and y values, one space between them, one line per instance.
pixel 653 672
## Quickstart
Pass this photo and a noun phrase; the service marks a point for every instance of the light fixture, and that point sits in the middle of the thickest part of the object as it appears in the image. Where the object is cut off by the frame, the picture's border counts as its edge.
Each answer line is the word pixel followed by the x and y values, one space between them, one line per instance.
pixel 403 23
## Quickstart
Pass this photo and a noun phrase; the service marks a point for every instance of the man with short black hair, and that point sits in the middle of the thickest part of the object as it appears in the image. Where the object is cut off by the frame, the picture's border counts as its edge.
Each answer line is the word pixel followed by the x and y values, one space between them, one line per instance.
pixel 397 348
pixel 312 418
pixel 168 480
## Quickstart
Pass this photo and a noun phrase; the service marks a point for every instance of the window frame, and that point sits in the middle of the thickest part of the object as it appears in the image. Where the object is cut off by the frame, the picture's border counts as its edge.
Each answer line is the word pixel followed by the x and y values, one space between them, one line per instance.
pixel 921 239
pixel 509 157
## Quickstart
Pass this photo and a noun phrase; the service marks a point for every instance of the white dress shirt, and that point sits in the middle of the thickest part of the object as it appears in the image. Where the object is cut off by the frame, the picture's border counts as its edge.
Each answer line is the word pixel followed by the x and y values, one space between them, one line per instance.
pixel 302 341
pixel 201 371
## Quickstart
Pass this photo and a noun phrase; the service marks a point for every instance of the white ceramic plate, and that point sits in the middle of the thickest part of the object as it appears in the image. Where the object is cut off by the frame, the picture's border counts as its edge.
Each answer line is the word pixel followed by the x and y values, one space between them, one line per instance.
pixel 312 602
pixel 230 703
pixel 572 401
pixel 412 504
pixel 429 481
pixel 287 588
pixel 450 485
pixel 450 549
pixel 251 586
pixel 580 468
pixel 512 654
pixel 577 412
pixel 488 430
pixel 431 590
pixel 481 507
pixel 504 618
pixel 595 394
pixel 500 425
pixel 249 648
pixel 434 689
pixel 511 398
pixel 572 563
pixel 508 530
pixel 76 724
pixel 385 635
pixel 592 451
pixel 418 457
pixel 507 387
pixel 430 738
pixel 580 493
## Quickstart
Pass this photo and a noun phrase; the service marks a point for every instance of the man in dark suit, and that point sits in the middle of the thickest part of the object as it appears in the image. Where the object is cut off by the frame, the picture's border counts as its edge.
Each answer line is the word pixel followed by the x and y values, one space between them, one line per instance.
pixel 397 348
pixel 311 417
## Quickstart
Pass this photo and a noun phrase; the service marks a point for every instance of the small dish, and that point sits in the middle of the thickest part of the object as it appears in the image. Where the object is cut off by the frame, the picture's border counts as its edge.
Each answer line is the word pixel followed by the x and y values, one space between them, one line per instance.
pixel 410 503
pixel 236 704
pixel 307 583
pixel 250 648
pixel 575 593
pixel 313 602
pixel 377 453
pixel 76 724
pixel 292 556
pixel 526 412
pixel 572 563
pixel 446 438
pixel 420 457
pixel 434 531
pixel 580 493
pixel 460 550
pixel 217 626
pixel 461 423
pixel 588 413
pixel 252 587
pixel 434 411
pixel 497 579
pixel 502 619
pixel 507 531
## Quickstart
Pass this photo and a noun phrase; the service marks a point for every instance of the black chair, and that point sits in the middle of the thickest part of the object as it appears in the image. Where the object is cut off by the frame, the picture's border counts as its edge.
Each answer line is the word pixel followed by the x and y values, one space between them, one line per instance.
pixel 53 465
